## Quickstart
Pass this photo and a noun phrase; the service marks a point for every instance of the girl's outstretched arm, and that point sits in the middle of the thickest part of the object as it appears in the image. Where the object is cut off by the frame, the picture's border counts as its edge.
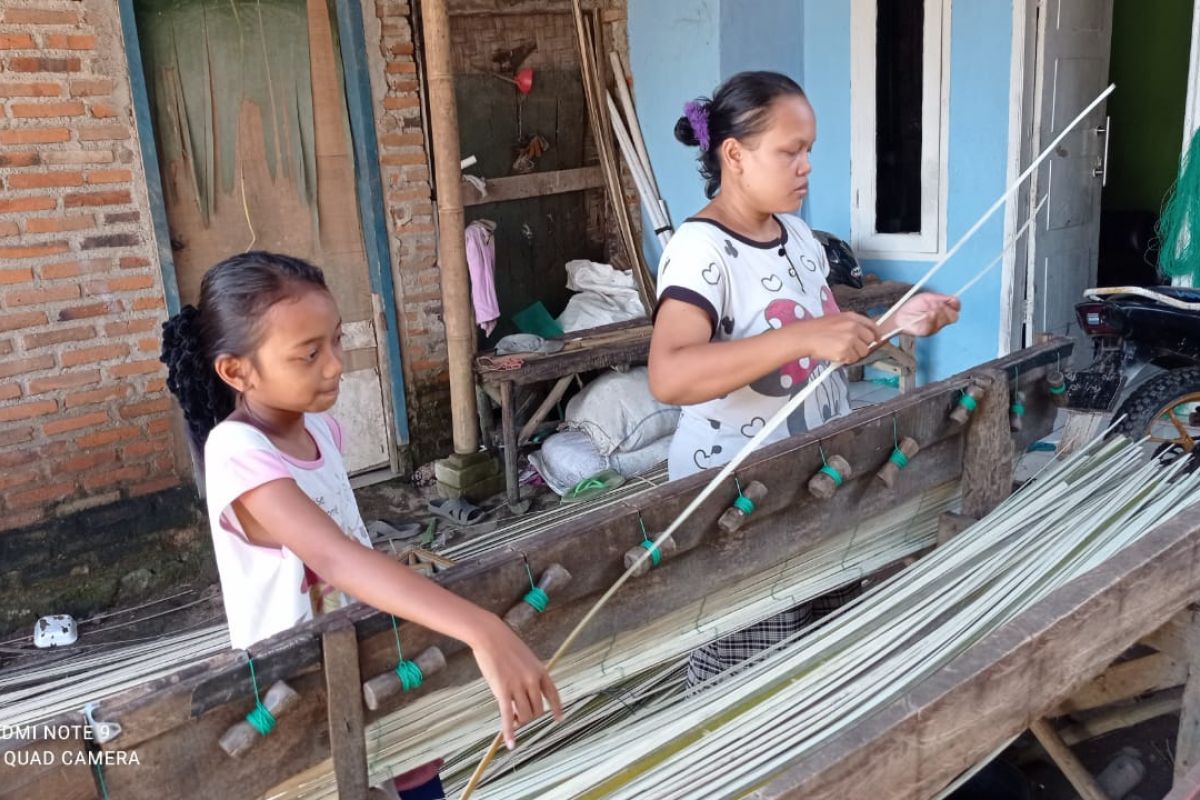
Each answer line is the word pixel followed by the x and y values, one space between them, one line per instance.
pixel 279 514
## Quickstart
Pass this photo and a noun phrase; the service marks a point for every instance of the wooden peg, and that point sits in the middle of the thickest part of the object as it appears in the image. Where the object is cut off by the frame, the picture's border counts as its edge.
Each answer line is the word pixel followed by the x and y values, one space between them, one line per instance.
pixel 1016 412
pixel 383 687
pixel 962 410
pixel 823 485
pixel 890 469
pixel 666 549
pixel 554 578
pixel 242 736
pixel 1057 383
pixel 733 517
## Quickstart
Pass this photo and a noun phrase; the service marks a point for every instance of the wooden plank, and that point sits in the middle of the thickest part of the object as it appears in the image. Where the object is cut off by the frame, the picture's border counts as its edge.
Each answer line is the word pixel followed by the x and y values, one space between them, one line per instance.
pixel 508 426
pixel 535 184
pixel 178 713
pixel 1187 743
pixel 555 394
pixel 988 451
pixel 1173 637
pixel 1066 761
pixel 1125 681
pixel 988 695
pixel 343 687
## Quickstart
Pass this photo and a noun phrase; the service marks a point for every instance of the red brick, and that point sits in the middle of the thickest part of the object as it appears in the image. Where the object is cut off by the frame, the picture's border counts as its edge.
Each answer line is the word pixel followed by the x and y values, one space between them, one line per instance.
pixel 145 448
pixel 9 391
pixel 125 327
pixel 9 480
pixel 160 425
pixel 34 135
pixel 23 319
pixel 59 335
pixel 88 441
pixel 44 64
pixel 77 399
pixel 91 88
pixel 46 294
pixel 103 133
pixel 129 283
pixel 78 157
pixel 41 496
pixel 400 85
pixel 36 408
pixel 88 462
pixel 110 176
pixel 27 203
pixel 64 380
pixel 401 139
pixel 11 276
pixel 13 435
pixel 59 224
pixel 135 410
pixel 42 180
pixel 89 310
pixel 110 477
pixel 81 199
pixel 109 240
pixel 11 367
pixel 16 41
pixel 136 368
pixel 69 41
pixel 404 101
pixel 146 303
pixel 30 90
pixel 19 159
pixel 102 111
pixel 116 218
pixel 34 250
pixel 40 16
pixel 64 269
pixel 151 345
pixel 156 485
pixel 8 228
pixel 129 262
pixel 156 385
pixel 65 108
pixel 92 355
pixel 401 68
pixel 6 346
pixel 75 423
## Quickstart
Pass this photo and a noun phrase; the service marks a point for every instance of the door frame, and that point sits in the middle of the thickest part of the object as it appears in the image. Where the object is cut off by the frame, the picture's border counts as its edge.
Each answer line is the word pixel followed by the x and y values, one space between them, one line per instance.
pixel 368 188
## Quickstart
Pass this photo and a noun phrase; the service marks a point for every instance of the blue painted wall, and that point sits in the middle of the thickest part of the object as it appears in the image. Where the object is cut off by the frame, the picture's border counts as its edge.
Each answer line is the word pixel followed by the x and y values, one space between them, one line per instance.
pixel 810 40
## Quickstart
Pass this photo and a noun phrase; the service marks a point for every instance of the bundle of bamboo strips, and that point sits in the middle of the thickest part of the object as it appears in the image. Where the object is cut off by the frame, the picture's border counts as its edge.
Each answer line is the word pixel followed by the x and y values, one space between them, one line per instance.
pixel 458 722
pixel 633 147
pixel 731 737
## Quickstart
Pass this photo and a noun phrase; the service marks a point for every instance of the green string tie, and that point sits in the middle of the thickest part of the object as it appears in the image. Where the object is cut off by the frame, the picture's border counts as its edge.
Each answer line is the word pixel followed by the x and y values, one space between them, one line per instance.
pixel 409 674
pixel 538 599
pixel 1018 409
pixel 744 504
pixel 655 555
pixel 260 717
pixel 968 402
pixel 834 474
pixel 898 458
pixel 1062 387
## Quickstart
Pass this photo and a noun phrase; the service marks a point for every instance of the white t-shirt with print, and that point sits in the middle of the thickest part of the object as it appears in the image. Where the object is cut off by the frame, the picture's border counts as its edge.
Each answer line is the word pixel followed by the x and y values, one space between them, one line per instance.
pixel 746 288
pixel 266 589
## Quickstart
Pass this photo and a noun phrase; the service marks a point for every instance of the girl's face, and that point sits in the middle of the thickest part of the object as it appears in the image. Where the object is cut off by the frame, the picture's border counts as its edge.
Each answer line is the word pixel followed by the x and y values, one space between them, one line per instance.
pixel 772 168
pixel 298 364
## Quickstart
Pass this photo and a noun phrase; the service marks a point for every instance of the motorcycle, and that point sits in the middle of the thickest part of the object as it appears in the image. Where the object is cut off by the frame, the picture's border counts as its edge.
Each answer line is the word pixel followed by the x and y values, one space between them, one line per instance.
pixel 1146 364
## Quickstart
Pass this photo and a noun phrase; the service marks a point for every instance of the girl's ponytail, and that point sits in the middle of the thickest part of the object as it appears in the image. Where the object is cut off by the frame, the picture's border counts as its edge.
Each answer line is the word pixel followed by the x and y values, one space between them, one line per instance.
pixel 191 376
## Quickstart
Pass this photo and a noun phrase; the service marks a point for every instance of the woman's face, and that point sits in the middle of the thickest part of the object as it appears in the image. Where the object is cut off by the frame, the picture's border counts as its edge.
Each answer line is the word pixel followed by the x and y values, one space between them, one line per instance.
pixel 772 168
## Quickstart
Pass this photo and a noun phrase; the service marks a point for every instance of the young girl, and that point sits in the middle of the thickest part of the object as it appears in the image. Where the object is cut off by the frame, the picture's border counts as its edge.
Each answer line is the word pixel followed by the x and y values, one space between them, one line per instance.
pixel 255 366
pixel 745 317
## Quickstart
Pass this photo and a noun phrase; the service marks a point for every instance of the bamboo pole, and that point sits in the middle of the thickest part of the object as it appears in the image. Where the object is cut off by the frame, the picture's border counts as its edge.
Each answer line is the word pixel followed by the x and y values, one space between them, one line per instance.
pixel 452 248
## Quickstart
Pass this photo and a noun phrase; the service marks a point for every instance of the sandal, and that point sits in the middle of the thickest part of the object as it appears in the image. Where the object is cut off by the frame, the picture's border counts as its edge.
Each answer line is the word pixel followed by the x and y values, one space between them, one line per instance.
pixel 594 486
pixel 456 510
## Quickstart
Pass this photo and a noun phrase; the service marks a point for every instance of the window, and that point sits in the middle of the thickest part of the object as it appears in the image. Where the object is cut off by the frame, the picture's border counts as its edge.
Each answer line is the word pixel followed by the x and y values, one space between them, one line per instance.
pixel 898 84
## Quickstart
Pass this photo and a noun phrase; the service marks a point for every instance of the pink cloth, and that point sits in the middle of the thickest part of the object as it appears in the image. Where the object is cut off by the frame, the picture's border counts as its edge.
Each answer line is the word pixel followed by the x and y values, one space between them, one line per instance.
pixel 481 260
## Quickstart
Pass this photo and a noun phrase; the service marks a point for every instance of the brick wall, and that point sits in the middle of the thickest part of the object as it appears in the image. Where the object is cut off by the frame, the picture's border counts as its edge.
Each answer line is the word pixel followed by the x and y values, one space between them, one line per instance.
pixel 84 415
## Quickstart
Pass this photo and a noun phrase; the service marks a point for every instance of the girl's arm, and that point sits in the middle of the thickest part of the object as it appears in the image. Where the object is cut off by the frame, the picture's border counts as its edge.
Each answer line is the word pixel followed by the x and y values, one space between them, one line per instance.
pixel 686 367
pixel 279 514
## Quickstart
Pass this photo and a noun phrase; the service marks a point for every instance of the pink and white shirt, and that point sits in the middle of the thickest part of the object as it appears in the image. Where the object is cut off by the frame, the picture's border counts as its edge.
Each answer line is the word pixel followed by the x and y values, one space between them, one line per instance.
pixel 267 589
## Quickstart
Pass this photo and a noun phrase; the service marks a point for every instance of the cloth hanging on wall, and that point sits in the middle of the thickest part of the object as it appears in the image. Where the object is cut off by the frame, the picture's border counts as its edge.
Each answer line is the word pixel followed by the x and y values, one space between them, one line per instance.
pixel 481 262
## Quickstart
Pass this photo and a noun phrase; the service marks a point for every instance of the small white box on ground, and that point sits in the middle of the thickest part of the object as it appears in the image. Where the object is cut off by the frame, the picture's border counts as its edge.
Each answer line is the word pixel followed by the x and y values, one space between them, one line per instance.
pixel 56 630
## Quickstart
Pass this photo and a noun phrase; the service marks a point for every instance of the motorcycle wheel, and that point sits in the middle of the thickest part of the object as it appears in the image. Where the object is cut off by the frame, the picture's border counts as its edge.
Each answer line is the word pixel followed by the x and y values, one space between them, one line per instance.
pixel 1167 410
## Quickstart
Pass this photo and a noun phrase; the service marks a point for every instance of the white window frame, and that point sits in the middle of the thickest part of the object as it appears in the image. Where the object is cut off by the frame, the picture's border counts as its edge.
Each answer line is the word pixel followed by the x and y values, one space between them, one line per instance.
pixel 935 93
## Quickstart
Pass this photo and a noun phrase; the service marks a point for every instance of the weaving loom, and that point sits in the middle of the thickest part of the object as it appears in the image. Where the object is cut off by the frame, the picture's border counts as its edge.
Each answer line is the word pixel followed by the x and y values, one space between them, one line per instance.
pixel 174 723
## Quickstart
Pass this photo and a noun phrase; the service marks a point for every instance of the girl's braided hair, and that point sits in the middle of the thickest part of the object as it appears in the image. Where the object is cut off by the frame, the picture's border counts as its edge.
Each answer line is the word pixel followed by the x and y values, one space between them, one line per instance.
pixel 234 297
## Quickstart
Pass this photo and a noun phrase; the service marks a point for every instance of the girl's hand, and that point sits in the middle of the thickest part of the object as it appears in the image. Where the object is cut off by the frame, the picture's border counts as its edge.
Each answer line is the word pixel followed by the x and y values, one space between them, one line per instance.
pixel 516 676
pixel 845 337
pixel 925 314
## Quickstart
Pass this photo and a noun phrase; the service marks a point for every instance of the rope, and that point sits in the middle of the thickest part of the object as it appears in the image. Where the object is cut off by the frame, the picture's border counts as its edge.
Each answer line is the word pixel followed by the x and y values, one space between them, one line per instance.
pixel 741 502
pixel 898 458
pixel 260 717
pixel 652 547
pixel 407 671
pixel 1179 256
pixel 967 402
pixel 536 596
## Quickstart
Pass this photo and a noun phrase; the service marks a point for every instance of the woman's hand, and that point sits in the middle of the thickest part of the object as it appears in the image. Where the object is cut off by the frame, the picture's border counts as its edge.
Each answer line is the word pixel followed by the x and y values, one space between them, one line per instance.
pixel 925 314
pixel 516 676
pixel 844 337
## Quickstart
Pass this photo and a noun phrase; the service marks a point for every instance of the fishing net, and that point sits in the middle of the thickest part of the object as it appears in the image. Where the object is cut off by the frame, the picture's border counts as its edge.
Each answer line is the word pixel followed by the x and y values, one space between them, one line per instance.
pixel 1179 255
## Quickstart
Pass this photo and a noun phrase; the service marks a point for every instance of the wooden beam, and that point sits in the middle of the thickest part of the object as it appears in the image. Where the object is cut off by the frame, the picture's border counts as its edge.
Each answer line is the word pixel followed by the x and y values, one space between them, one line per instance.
pixel 1125 681
pixel 1120 717
pixel 988 450
pixel 343 687
pixel 1065 760
pixel 989 694
pixel 535 184
pixel 553 396
pixel 1187 744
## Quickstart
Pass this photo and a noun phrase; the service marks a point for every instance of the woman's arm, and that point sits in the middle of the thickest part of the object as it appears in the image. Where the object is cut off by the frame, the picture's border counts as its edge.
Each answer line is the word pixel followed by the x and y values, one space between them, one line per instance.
pixel 280 514
pixel 686 367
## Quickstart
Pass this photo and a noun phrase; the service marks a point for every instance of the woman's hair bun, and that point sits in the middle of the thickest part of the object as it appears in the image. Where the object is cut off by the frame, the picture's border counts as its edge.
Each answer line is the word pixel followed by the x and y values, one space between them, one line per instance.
pixel 685 133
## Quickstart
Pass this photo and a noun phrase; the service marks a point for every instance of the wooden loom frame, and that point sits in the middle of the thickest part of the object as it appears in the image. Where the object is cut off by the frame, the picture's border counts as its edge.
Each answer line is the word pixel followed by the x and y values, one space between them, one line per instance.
pixel 917 746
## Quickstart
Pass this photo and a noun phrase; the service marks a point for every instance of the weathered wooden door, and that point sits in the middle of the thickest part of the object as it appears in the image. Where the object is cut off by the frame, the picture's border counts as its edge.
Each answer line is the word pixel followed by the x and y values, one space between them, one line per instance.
pixel 256 153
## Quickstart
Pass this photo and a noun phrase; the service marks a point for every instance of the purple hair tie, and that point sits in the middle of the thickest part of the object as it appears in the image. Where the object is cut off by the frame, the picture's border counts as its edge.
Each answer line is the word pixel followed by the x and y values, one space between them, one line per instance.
pixel 697 116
